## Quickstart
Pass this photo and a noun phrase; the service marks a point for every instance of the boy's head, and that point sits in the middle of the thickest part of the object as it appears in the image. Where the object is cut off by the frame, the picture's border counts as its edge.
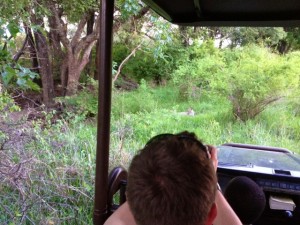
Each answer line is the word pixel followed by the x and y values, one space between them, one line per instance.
pixel 172 181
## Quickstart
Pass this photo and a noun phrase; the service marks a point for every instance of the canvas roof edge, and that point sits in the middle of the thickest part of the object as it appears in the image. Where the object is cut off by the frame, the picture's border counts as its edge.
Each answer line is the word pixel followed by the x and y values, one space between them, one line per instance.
pixel 255 13
pixel 158 10
pixel 231 23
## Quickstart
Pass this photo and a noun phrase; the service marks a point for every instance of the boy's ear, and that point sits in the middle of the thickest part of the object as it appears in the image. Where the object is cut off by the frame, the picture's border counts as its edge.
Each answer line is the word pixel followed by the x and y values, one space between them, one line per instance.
pixel 211 215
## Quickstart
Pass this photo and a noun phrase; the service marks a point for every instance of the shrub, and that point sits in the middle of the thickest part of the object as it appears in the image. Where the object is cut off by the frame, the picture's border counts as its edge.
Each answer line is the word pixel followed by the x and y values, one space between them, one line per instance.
pixel 197 69
pixel 7 104
pixel 146 63
pixel 82 105
pixel 254 78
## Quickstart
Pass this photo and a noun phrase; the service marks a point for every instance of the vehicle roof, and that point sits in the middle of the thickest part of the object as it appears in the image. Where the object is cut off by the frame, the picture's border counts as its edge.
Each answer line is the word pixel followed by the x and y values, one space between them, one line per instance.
pixel 228 12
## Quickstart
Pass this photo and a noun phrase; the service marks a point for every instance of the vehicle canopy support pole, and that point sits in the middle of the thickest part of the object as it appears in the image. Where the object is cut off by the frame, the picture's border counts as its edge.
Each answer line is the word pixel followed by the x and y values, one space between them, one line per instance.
pixel 104 65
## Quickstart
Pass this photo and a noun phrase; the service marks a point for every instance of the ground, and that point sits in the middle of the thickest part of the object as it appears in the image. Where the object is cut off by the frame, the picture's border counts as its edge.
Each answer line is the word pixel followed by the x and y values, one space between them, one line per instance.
pixel 16 131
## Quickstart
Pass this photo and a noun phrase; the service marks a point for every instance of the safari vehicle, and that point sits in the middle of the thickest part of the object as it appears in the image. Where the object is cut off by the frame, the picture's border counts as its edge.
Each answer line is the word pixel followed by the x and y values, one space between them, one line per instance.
pixel 275 170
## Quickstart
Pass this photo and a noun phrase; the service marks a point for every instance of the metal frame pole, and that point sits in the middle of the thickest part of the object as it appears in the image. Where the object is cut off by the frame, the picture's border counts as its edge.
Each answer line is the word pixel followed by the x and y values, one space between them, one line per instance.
pixel 104 64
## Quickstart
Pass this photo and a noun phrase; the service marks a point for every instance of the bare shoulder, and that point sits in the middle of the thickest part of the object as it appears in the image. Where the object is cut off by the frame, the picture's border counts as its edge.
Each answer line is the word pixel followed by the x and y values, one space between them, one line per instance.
pixel 122 216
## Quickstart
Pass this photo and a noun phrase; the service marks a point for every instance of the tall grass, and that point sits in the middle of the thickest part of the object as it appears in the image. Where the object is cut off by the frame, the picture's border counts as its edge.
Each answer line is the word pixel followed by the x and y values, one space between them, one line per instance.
pixel 50 180
pixel 56 183
pixel 160 112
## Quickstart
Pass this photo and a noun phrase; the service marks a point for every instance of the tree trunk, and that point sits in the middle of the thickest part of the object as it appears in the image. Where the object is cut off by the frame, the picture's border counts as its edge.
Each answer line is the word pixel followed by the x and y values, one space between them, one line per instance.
pixel 44 62
pixel 184 36
pixel 55 47
pixel 64 76
pixel 77 49
pixel 74 66
pixel 283 47
pixel 73 75
pixel 89 30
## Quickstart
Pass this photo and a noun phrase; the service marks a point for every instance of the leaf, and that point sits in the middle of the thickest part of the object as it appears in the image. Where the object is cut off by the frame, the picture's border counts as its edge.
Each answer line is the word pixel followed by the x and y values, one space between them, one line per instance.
pixel 33 85
pixel 21 82
pixel 2 32
pixel 8 75
pixel 13 29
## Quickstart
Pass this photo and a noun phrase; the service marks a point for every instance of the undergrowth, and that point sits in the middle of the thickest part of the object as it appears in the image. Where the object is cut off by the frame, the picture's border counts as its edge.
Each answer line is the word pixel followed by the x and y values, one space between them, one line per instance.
pixel 49 178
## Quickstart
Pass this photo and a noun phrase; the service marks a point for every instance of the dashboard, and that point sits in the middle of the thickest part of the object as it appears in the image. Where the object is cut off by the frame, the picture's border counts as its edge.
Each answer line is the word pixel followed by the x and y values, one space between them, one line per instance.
pixel 276 171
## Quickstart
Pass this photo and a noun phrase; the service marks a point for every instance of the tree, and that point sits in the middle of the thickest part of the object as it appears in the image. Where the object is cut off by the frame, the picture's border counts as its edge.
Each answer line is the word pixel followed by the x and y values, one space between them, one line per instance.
pixel 36 43
pixel 291 41
pixel 242 36
pixel 77 47
pixel 67 44
pixel 265 36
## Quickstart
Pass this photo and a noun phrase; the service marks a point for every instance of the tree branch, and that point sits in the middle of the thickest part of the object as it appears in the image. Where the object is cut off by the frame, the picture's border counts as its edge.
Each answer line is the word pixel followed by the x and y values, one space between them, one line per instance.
pixel 85 42
pixel 5 43
pixel 60 26
pixel 124 61
pixel 85 56
pixel 21 51
pixel 90 38
pixel 79 31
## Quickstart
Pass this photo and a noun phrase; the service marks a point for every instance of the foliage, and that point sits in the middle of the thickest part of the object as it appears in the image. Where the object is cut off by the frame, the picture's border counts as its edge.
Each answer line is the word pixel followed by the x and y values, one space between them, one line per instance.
pixel 75 9
pixel 213 121
pixel 19 75
pixel 145 67
pixel 11 72
pixel 55 185
pixel 7 104
pixel 198 67
pixel 265 36
pixel 12 10
pixel 156 58
pixel 120 51
pixel 82 105
pixel 293 36
pixel 144 64
pixel 251 77
pixel 254 78
pixel 128 7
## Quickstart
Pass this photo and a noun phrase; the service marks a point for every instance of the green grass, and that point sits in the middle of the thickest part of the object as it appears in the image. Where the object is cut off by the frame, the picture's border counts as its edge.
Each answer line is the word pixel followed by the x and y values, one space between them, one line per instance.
pixel 58 183
pixel 159 112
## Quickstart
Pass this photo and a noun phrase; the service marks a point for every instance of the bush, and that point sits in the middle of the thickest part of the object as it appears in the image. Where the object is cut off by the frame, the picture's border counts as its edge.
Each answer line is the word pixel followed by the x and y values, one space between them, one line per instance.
pixel 254 78
pixel 82 105
pixel 146 64
pixel 251 77
pixel 197 69
pixel 7 104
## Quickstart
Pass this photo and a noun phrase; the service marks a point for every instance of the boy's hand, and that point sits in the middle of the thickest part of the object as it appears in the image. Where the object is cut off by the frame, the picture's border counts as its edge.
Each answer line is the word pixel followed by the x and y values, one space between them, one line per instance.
pixel 213 155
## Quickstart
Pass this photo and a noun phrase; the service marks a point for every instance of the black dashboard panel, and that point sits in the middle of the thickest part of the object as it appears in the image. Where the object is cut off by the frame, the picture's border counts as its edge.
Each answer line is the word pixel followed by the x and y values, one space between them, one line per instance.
pixel 270 185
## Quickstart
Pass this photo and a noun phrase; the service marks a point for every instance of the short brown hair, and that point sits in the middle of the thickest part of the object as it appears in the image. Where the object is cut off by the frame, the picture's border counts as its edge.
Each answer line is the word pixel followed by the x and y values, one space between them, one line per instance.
pixel 171 181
